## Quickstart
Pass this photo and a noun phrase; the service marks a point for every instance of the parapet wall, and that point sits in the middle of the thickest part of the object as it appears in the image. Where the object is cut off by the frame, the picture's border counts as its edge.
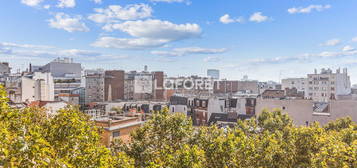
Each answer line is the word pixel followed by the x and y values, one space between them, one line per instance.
pixel 301 111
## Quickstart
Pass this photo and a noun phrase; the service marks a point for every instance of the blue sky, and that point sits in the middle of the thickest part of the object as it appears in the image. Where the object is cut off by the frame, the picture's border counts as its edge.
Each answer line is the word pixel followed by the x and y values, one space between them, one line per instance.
pixel 264 39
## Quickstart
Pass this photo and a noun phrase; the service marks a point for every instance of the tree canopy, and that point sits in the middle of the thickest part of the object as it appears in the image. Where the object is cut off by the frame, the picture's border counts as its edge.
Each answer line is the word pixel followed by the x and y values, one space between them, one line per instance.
pixel 28 138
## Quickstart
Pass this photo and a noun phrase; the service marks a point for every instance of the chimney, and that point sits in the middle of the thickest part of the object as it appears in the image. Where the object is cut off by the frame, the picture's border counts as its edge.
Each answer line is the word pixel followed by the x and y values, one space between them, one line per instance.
pixel 30 67
pixel 145 68
pixel 345 70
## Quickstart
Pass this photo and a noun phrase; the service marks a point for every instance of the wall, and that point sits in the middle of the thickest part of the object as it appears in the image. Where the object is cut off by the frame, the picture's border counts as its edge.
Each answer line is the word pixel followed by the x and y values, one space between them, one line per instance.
pixel 301 110
pixel 159 85
pixel 178 109
pixel 115 79
pixel 28 89
pixel 61 69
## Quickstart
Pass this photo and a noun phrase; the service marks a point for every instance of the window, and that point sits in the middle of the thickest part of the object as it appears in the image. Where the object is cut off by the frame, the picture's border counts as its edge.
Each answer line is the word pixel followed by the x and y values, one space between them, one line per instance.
pixel 203 103
pixel 116 134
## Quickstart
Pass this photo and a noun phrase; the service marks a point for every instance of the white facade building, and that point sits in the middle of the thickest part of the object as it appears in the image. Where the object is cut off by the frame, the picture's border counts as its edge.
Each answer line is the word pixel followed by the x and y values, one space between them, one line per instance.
pixel 327 85
pixel 143 83
pixel 269 85
pixel 4 68
pixel 39 86
pixel 301 84
pixel 94 86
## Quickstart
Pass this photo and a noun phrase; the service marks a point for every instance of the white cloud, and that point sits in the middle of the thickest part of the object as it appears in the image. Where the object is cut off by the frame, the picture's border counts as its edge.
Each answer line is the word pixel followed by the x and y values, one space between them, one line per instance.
pixel 304 57
pixel 32 52
pixel 158 29
pixel 308 9
pixel 148 34
pixel 97 1
pixel 117 12
pixel 332 42
pixel 189 50
pixel 29 46
pixel 348 48
pixel 227 19
pixel 354 39
pixel 68 23
pixel 128 43
pixel 258 17
pixel 66 4
pixel 5 50
pixel 47 6
pixel 212 59
pixel 31 2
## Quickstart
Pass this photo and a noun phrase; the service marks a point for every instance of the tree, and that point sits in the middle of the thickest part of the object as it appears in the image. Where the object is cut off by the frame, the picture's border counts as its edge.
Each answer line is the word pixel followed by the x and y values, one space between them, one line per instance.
pixel 160 139
pixel 273 121
pixel 29 139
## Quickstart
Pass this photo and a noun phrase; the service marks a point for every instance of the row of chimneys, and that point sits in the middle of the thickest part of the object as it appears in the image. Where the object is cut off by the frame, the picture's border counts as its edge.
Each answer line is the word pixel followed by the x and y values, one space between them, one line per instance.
pixel 328 71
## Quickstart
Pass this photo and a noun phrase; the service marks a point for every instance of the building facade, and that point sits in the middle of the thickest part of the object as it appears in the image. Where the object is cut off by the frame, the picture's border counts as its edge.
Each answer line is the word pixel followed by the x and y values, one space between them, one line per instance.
pixel 144 85
pixel 94 87
pixel 65 72
pixel 232 87
pixel 4 68
pixel 304 112
pixel 114 85
pixel 37 86
pixel 327 85
pixel 300 84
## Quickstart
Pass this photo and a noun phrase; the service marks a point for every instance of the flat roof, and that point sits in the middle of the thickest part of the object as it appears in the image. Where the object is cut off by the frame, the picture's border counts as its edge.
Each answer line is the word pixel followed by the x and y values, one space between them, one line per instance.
pixel 116 127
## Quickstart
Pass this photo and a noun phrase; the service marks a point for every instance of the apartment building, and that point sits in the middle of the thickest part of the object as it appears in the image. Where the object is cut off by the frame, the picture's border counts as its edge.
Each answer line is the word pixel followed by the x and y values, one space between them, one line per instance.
pixel 37 86
pixel 66 74
pixel 12 83
pixel 144 85
pixel 117 127
pixel 214 110
pixel 94 86
pixel 188 86
pixel 299 83
pixel 114 85
pixel 269 85
pixel 231 87
pixel 327 85
pixel 305 112
pixel 4 68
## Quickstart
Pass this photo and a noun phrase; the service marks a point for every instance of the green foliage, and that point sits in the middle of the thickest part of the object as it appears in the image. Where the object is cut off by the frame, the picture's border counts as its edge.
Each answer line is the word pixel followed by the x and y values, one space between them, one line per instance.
pixel 29 139
pixel 271 140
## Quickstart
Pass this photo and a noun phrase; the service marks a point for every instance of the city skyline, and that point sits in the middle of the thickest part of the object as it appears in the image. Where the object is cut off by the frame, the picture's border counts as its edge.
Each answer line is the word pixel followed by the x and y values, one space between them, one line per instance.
pixel 264 40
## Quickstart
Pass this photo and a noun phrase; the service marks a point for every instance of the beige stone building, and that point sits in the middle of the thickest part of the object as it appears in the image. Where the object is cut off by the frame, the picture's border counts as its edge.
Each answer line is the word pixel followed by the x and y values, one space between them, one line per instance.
pixel 305 112
pixel 117 127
